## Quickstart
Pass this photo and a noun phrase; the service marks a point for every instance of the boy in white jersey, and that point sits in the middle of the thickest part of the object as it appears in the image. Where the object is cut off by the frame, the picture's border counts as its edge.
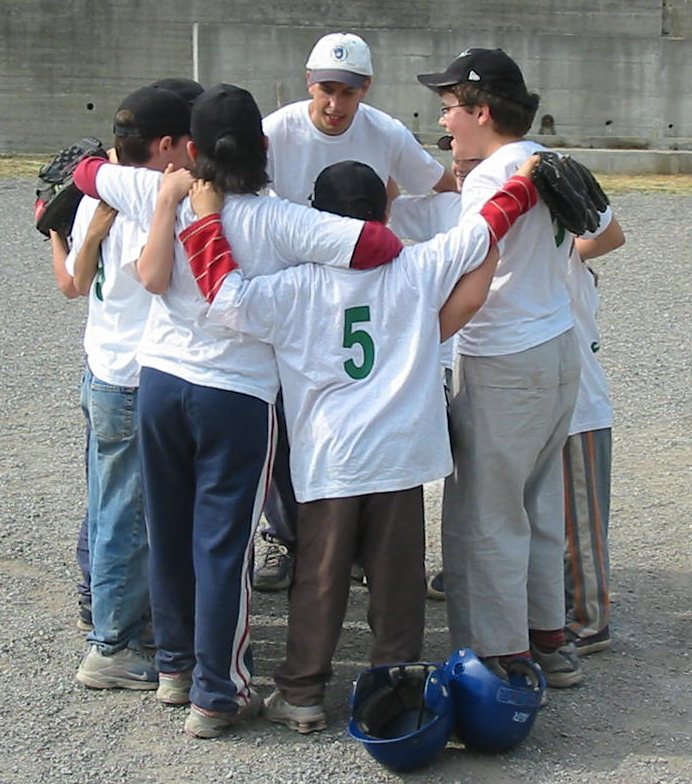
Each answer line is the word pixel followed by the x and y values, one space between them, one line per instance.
pixel 587 453
pixel 587 470
pixel 516 384
pixel 205 403
pixel 334 124
pixel 365 414
pixel 151 130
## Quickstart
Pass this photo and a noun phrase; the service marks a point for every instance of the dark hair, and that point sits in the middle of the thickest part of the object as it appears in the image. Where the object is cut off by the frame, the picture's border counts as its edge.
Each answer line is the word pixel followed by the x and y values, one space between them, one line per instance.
pixel 510 118
pixel 238 165
pixel 133 150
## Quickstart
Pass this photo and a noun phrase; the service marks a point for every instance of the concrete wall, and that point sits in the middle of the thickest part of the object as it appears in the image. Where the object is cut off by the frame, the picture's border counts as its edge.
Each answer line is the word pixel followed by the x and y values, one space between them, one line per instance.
pixel 65 66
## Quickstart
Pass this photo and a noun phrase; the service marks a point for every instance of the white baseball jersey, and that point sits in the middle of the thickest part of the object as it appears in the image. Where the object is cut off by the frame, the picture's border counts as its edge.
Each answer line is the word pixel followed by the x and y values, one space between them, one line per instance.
pixel 267 235
pixel 528 303
pixel 358 362
pixel 118 304
pixel 593 410
pixel 418 218
pixel 298 151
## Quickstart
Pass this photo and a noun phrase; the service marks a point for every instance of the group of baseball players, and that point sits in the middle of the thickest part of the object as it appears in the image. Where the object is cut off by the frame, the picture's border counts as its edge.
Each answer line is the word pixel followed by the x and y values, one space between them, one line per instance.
pixel 228 377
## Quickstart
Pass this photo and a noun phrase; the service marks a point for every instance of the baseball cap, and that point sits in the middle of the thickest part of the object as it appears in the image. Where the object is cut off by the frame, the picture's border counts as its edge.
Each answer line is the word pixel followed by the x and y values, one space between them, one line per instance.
pixel 187 89
pixel 340 57
pixel 221 110
pixel 491 70
pixel 156 113
pixel 351 189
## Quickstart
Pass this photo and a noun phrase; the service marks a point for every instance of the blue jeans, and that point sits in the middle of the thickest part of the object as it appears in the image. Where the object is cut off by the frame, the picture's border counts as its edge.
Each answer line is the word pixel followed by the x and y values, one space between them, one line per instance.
pixel 118 545
pixel 84 587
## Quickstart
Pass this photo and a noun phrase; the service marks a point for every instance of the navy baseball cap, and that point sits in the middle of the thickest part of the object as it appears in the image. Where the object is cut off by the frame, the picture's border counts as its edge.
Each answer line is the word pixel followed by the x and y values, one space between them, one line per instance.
pixel 491 70
pixel 155 113
pixel 351 189
pixel 222 110
pixel 188 89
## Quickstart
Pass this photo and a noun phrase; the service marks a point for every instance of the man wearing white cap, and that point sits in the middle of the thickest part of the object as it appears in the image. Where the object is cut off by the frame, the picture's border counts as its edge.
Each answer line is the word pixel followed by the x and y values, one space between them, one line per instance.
pixel 304 138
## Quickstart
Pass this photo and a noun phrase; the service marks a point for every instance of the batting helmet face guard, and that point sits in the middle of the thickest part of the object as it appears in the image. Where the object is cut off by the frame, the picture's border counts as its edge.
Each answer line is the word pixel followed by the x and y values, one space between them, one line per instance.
pixel 402 713
pixel 492 714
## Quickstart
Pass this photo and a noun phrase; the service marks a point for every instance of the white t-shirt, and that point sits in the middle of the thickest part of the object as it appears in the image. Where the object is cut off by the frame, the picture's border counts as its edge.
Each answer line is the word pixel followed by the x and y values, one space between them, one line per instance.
pixel 593 410
pixel 298 151
pixel 267 235
pixel 358 363
pixel 528 302
pixel 118 304
pixel 417 219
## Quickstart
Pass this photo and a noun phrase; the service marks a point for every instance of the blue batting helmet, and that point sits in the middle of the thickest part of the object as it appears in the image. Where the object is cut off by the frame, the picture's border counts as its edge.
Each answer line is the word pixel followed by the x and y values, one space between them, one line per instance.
pixel 402 713
pixel 490 713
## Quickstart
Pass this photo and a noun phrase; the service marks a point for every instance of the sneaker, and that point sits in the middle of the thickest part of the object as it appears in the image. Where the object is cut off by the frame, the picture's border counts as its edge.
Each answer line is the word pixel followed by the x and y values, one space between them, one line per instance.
pixel 498 666
pixel 275 572
pixel 84 622
pixel 174 687
pixel 436 587
pixel 301 718
pixel 561 667
pixel 592 644
pixel 201 723
pixel 358 574
pixel 125 669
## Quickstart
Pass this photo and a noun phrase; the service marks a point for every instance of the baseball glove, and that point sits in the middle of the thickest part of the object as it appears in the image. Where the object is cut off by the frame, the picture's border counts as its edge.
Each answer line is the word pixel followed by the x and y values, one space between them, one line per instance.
pixel 57 197
pixel 570 191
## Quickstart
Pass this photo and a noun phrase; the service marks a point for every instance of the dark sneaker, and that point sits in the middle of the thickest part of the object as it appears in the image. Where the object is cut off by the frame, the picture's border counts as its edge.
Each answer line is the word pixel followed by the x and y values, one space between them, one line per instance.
pixel 498 666
pixel 174 688
pixel 358 574
pixel 201 723
pixel 560 667
pixel 84 622
pixel 301 718
pixel 591 644
pixel 125 669
pixel 436 587
pixel 275 570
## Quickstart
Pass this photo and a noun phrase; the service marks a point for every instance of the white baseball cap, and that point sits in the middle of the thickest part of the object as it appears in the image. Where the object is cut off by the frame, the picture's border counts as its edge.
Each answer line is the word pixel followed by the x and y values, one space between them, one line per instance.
pixel 340 57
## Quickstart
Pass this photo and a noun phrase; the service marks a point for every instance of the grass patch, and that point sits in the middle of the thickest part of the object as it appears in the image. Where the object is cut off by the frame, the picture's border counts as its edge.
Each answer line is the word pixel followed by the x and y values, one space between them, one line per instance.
pixel 613 184
pixel 21 165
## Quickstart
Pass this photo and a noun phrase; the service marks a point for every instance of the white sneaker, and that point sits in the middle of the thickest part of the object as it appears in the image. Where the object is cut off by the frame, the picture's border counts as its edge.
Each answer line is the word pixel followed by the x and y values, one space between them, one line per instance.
pixel 301 718
pixel 275 572
pixel 201 723
pixel 174 688
pixel 125 669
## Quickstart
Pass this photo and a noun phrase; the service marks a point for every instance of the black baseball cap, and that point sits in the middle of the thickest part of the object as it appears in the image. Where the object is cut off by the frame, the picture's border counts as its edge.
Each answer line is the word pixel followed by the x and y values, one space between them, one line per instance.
pixel 351 189
pixel 188 89
pixel 491 70
pixel 156 113
pixel 221 110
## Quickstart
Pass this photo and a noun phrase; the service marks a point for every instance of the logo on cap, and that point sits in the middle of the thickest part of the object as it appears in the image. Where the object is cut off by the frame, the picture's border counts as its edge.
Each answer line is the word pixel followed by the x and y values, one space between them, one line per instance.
pixel 473 77
pixel 339 53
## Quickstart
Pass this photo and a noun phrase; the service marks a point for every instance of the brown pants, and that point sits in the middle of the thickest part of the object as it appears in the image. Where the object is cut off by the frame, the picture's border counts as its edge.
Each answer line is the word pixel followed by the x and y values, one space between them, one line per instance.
pixel 387 532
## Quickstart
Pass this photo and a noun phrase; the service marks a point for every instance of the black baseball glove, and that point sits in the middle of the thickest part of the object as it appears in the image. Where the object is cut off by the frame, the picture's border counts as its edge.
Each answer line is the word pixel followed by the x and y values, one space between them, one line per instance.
pixel 57 197
pixel 570 191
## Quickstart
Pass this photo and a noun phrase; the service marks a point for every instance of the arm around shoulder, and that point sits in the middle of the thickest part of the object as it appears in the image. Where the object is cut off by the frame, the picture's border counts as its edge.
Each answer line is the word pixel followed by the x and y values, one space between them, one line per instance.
pixel 59 252
pixel 591 247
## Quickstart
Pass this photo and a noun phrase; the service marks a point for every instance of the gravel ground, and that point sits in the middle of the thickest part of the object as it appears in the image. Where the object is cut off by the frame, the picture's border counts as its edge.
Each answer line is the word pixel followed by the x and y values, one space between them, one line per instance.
pixel 629 722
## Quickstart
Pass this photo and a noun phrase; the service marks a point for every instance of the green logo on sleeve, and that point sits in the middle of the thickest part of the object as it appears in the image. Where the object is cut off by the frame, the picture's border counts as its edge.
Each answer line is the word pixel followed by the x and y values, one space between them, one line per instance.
pixel 360 337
